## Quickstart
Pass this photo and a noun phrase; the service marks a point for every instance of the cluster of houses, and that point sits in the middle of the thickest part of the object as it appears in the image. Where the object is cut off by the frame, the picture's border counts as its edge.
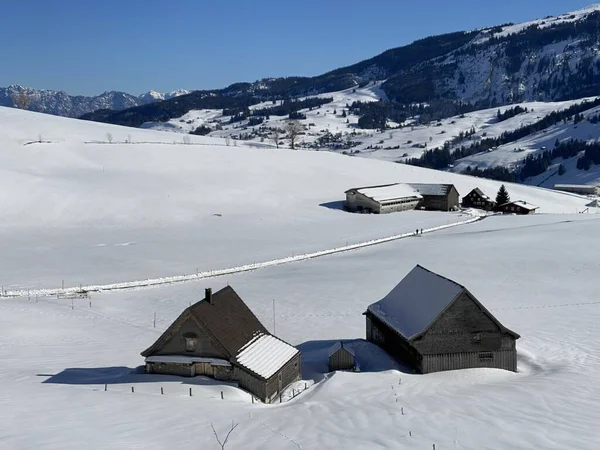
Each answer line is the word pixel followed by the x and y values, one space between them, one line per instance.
pixel 387 198
pixel 427 322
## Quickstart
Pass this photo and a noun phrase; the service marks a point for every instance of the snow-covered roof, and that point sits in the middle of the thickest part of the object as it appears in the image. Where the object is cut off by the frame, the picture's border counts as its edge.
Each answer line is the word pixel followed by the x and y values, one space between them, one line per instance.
pixel 186 360
pixel 387 193
pixel 575 186
pixel 338 345
pixel 431 189
pixel 265 355
pixel 415 302
pixel 522 204
pixel 481 193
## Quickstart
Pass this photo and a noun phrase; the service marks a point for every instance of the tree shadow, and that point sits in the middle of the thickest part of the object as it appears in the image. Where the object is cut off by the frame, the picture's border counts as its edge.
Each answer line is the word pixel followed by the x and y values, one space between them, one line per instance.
pixel 337 205
pixel 369 357
pixel 122 375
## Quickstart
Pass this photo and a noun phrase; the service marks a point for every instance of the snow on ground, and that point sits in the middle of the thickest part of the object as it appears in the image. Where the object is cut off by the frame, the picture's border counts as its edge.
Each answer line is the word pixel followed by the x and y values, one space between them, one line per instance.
pixel 103 213
pixel 529 271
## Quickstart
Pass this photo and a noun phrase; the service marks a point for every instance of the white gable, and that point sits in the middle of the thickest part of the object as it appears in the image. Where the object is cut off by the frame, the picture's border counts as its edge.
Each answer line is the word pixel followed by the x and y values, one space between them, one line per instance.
pixel 415 302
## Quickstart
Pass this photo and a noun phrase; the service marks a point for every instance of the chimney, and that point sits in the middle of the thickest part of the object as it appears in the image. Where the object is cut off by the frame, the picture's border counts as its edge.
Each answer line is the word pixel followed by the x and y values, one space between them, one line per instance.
pixel 208 295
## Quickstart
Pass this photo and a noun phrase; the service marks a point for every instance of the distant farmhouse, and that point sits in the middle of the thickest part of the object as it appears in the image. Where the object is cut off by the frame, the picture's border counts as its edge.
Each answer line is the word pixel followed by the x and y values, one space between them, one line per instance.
pixel 517 207
pixel 435 324
pixel 341 357
pixel 477 199
pixel 382 199
pixel 582 189
pixel 395 197
pixel 220 337
pixel 437 197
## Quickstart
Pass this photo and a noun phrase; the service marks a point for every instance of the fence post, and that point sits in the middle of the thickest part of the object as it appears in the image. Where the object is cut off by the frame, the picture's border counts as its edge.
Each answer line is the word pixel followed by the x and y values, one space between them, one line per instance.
pixel 132 389
pixel 161 391
pixel 222 395
pixel 190 392
pixel 106 387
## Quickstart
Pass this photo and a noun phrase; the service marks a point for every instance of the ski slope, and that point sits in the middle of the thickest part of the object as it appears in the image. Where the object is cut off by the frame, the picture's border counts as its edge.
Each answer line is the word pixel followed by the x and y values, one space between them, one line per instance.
pixel 59 364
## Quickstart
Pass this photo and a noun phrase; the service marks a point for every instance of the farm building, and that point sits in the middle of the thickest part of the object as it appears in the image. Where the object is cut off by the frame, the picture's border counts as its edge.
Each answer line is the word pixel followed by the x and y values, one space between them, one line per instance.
pixel 437 197
pixel 477 199
pixel 220 337
pixel 582 189
pixel 341 357
pixel 435 324
pixel 517 207
pixel 382 199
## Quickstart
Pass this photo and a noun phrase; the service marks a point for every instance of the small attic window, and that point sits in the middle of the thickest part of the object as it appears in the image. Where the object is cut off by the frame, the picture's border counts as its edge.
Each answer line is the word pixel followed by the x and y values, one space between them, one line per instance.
pixel 190 342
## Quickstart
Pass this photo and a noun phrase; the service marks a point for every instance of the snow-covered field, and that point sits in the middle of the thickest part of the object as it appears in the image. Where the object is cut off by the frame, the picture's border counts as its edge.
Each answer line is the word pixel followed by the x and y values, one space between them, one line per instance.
pixel 101 213
pixel 55 367
pixel 104 213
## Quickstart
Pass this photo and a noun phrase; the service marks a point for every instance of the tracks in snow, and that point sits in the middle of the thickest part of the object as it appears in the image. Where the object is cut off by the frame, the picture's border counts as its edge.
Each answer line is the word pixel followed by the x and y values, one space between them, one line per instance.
pixel 220 272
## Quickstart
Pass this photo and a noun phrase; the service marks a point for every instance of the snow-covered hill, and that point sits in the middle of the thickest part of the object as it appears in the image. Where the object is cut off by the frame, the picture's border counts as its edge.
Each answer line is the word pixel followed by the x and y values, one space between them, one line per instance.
pixel 60 103
pixel 111 205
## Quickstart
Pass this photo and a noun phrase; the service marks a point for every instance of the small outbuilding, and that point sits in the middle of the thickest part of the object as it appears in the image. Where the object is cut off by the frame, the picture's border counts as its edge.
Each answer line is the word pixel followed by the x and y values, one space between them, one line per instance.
pixel 479 200
pixel 221 338
pixel 341 357
pixel 437 197
pixel 517 207
pixel 433 323
pixel 382 199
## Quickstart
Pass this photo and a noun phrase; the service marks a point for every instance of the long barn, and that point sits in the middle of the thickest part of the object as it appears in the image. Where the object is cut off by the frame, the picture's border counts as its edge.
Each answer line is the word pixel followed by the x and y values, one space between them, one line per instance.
pixel 434 324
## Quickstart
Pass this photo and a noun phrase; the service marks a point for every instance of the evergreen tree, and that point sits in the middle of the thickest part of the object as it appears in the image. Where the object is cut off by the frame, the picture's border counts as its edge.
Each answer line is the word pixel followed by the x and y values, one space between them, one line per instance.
pixel 561 170
pixel 502 196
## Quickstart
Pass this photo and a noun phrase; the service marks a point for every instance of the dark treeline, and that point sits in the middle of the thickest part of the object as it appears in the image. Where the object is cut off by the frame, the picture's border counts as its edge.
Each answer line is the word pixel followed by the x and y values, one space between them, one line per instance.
pixel 509 113
pixel 292 106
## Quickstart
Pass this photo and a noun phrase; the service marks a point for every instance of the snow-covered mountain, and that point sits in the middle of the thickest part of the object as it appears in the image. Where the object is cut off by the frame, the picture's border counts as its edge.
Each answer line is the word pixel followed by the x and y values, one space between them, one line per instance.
pixel 60 103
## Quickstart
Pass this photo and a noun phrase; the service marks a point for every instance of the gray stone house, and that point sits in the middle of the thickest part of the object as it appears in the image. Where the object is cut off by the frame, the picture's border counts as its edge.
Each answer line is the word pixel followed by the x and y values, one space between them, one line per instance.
pixel 221 338
pixel 432 324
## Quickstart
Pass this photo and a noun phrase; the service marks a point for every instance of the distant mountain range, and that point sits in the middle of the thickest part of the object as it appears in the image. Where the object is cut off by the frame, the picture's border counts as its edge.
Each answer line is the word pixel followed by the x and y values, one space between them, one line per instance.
pixel 551 59
pixel 59 103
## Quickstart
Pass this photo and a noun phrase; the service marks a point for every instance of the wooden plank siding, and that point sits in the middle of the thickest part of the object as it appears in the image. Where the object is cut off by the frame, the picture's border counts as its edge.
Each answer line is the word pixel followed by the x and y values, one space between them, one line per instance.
pixel 205 345
pixel 342 359
pixel 501 359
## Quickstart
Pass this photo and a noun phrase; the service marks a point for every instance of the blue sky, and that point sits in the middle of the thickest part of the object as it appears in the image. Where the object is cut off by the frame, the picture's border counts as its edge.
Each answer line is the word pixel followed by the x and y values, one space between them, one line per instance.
pixel 87 47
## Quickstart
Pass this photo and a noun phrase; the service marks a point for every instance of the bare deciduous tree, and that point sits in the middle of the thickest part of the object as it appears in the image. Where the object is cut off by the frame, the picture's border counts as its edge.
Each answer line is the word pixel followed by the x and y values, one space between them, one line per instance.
pixel 276 136
pixel 293 128
pixel 21 100
pixel 109 137
pixel 224 442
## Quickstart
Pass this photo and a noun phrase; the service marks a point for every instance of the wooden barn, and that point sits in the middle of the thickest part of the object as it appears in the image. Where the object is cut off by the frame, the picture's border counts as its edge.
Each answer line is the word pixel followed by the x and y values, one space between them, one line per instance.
pixel 435 324
pixel 517 207
pixel 220 337
pixel 341 357
pixel 437 197
pixel 477 199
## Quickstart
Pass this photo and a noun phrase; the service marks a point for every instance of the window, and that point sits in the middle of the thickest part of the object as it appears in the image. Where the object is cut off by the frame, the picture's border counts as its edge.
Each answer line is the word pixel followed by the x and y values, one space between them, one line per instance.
pixel 487 356
pixel 477 337
pixel 279 377
pixel 190 342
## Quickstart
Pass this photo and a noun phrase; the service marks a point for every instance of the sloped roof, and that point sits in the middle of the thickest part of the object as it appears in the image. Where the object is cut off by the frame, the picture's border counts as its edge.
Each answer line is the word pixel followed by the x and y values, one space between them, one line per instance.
pixel 391 192
pixel 481 194
pixel 226 318
pixel 339 345
pixel 522 204
pixel 418 300
pixel 265 355
pixel 237 330
pixel 369 187
pixel 436 190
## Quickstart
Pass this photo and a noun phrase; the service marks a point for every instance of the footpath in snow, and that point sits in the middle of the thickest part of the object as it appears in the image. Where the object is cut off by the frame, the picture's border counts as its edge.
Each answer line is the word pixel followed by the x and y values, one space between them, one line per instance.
pixel 476 216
